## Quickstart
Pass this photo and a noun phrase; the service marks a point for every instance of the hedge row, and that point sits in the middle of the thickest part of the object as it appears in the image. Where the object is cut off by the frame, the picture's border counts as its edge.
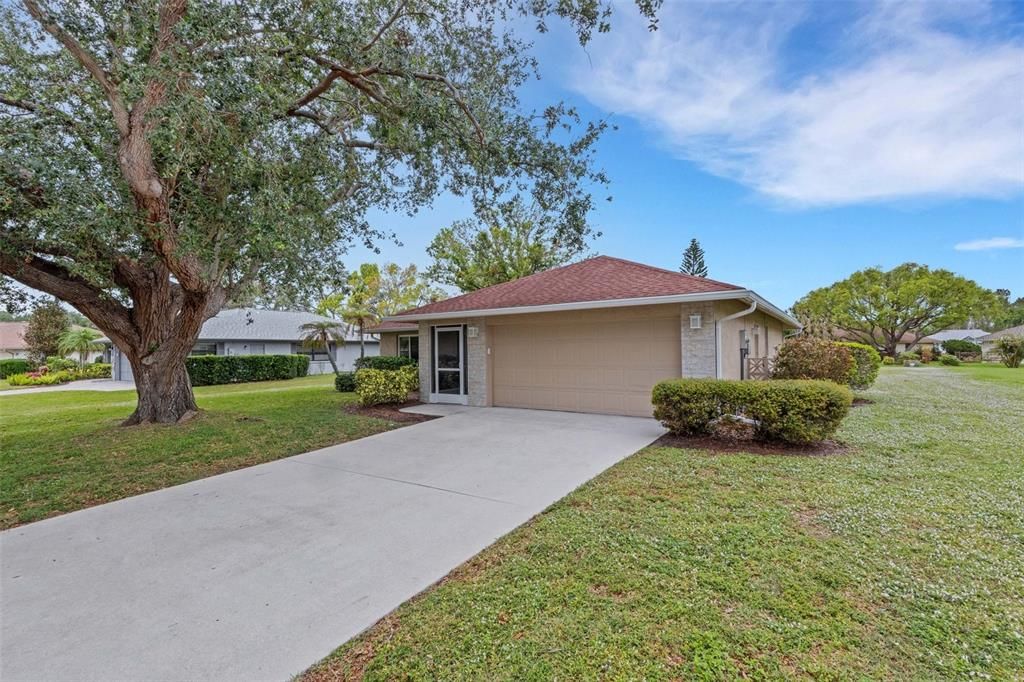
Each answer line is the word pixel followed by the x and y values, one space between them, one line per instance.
pixel 383 362
pixel 210 370
pixel 788 411
pixel 381 386
pixel 14 366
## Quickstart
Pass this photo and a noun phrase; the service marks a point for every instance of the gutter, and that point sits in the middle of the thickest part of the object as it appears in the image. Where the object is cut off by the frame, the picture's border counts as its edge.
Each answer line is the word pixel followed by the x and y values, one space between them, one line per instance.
pixel 718 336
pixel 743 294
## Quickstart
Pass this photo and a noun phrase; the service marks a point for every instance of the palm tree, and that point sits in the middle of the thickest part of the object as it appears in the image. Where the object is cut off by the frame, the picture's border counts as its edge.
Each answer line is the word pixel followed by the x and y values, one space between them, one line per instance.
pixel 359 309
pixel 79 340
pixel 321 335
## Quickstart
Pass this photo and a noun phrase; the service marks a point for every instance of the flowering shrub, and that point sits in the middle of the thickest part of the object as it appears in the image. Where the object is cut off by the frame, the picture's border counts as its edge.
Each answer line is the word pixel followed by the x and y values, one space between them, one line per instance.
pixel 40 377
pixel 1011 350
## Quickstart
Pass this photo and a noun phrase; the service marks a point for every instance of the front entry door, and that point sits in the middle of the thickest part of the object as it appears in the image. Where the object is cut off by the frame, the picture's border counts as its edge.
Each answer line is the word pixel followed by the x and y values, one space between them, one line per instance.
pixel 449 366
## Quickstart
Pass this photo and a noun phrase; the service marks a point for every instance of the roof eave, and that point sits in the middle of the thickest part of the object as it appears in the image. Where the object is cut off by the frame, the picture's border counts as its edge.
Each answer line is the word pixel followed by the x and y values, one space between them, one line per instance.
pixel 728 295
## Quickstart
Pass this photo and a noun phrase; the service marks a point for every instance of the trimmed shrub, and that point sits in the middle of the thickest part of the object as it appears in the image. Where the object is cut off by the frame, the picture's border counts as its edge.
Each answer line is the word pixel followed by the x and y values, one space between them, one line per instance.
pixel 382 386
pixel 14 366
pixel 383 362
pixel 210 370
pixel 950 360
pixel 96 370
pixel 805 357
pixel 788 411
pixel 960 346
pixel 56 364
pixel 345 382
pixel 1010 350
pixel 866 363
pixel 888 360
pixel 301 363
pixel 908 356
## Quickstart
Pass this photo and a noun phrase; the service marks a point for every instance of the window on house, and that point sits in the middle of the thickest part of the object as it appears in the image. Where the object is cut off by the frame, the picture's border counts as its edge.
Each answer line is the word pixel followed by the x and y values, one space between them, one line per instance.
pixel 204 349
pixel 317 354
pixel 409 347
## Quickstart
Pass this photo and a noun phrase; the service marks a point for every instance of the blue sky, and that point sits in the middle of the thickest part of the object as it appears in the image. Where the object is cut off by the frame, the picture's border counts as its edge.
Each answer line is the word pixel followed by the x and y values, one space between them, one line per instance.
pixel 797 142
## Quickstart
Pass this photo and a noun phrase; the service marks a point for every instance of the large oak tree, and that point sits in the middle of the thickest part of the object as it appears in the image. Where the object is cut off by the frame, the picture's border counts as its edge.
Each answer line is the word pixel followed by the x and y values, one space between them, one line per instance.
pixel 159 156
pixel 878 307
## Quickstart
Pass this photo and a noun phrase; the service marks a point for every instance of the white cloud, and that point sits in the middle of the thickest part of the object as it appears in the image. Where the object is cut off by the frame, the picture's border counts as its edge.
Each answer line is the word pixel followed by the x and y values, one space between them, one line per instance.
pixel 989 244
pixel 897 107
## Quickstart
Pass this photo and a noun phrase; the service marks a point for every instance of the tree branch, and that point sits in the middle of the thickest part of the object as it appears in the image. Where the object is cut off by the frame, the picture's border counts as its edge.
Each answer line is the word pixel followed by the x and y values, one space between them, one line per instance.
pixel 87 60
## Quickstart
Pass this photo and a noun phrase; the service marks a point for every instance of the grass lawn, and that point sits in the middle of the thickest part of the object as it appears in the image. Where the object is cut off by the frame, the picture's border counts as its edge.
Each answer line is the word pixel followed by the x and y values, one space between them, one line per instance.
pixel 992 372
pixel 64 450
pixel 903 559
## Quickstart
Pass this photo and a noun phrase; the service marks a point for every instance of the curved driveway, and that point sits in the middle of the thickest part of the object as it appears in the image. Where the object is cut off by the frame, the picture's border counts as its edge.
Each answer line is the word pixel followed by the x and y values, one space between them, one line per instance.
pixel 257 574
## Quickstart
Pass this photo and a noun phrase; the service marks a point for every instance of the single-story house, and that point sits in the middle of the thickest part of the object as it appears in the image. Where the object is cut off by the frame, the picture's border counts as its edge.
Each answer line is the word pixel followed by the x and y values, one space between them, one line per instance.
pixel 970 335
pixel 248 331
pixel 988 342
pixel 906 343
pixel 593 336
pixel 12 343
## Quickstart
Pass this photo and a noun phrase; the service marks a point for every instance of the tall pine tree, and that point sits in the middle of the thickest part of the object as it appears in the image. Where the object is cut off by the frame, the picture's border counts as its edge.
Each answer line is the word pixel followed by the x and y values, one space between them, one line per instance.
pixel 693 260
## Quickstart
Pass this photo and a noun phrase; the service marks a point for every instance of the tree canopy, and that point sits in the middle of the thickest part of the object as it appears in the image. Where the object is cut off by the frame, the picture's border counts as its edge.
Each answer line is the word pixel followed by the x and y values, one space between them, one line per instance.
pixel 46 325
pixel 158 157
pixel 513 242
pixel 878 307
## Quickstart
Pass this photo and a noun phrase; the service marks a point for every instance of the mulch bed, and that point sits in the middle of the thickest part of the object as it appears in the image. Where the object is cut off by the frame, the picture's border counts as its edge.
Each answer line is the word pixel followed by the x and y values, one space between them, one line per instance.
pixel 391 412
pixel 857 402
pixel 724 445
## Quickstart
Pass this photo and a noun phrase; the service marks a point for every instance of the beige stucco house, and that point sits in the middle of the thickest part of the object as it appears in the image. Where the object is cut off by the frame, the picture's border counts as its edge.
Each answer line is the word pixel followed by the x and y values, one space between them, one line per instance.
pixel 593 336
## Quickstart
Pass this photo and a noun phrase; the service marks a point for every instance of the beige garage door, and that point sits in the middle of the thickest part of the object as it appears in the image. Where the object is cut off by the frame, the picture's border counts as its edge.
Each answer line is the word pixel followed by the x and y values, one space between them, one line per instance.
pixel 592 361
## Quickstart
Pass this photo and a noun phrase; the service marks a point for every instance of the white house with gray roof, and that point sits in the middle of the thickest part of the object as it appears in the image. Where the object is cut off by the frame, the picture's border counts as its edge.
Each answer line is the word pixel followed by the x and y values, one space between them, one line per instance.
pixel 248 331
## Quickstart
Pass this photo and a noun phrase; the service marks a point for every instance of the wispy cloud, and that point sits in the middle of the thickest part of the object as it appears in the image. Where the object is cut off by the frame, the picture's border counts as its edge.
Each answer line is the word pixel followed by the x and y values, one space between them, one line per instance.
pixel 894 105
pixel 989 244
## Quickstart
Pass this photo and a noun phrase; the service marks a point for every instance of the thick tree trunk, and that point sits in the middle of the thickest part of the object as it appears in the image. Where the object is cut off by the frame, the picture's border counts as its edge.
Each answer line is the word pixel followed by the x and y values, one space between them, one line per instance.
pixel 164 389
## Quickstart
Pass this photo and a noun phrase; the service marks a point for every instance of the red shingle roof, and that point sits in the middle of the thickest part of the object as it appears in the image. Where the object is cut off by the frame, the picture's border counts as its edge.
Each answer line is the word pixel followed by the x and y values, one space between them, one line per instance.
pixel 601 278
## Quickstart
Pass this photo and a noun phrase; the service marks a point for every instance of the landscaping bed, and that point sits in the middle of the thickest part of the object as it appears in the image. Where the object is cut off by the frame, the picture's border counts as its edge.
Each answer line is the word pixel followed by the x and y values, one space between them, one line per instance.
pixel 391 412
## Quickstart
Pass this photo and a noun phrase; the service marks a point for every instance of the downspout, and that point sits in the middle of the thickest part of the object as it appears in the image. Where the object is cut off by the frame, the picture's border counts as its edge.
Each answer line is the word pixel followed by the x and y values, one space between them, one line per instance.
pixel 718 336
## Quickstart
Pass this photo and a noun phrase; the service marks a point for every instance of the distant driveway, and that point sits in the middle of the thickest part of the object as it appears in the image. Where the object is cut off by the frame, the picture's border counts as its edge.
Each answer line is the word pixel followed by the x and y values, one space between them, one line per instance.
pixel 82 385
pixel 258 573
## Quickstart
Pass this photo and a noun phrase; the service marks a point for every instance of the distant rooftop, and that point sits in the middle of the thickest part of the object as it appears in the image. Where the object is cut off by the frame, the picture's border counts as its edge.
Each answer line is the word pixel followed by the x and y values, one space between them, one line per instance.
pixel 958 334
pixel 251 324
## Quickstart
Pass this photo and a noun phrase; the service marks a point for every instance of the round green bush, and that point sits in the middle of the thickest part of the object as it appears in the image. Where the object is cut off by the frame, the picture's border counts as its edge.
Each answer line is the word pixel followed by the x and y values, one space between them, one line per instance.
pixel 866 363
pixel 805 357
pixel 345 382
pixel 950 360
pixel 888 360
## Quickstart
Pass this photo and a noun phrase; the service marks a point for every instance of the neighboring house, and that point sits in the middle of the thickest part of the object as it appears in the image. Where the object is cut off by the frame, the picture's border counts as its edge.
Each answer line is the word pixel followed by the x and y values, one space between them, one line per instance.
pixel 247 331
pixel 906 342
pixel 12 343
pixel 988 342
pixel 594 336
pixel 12 340
pixel 971 335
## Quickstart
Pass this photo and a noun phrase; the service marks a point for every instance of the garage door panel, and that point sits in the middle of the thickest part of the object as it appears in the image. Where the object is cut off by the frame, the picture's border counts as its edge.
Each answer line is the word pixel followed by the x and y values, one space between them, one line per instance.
pixel 592 365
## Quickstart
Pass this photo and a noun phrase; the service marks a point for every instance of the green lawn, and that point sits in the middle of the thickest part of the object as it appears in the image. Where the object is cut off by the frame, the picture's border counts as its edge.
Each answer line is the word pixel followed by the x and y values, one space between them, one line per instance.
pixel 64 450
pixel 903 559
pixel 993 372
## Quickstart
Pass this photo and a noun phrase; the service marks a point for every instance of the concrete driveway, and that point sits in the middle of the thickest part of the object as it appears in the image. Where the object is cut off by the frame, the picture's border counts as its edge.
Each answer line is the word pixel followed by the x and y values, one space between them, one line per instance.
pixel 257 574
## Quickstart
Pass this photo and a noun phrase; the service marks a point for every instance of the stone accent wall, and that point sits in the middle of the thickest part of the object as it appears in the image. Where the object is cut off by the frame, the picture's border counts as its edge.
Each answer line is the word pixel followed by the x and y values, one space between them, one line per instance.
pixel 698 345
pixel 476 359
